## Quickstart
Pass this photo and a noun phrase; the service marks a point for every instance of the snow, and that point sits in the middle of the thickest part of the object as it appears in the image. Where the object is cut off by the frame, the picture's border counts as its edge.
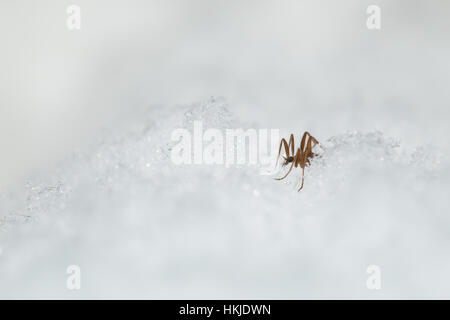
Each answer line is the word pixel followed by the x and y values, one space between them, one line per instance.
pixel 140 226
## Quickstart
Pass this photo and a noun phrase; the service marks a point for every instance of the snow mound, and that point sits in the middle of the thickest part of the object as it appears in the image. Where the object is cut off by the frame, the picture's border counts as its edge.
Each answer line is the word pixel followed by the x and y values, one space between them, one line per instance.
pixel 140 226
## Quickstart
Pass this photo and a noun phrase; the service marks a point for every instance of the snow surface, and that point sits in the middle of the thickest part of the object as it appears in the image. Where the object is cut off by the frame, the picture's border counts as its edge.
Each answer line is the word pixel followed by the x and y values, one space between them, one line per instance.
pixel 141 227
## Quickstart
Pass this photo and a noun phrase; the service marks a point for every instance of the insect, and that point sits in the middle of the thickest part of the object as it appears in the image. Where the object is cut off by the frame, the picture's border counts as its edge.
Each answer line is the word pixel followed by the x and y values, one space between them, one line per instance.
pixel 301 158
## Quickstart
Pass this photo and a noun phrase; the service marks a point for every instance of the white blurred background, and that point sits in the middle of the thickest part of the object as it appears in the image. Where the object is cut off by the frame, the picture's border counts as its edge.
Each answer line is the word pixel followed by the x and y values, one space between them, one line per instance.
pixel 284 64
pixel 141 227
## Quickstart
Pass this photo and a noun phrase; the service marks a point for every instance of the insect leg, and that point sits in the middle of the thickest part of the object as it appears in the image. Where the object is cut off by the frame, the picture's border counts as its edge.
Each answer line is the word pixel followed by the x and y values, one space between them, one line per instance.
pixel 292 165
pixel 303 179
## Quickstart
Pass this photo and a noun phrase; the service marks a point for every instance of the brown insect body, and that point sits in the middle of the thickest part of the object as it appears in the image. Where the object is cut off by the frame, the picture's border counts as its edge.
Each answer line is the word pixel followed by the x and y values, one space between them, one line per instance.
pixel 301 158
